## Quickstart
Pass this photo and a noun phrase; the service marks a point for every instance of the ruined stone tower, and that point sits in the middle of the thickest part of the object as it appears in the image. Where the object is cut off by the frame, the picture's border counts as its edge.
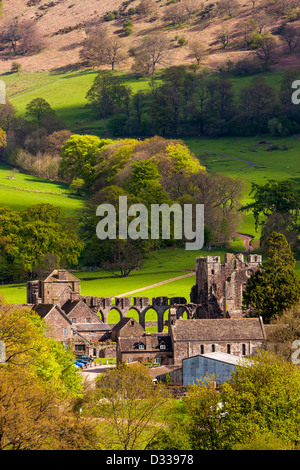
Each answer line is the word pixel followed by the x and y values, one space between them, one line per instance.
pixel 219 286
pixel 57 288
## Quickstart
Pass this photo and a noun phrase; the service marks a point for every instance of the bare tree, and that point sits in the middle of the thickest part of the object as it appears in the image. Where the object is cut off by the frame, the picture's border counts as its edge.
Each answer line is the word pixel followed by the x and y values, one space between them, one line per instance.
pixel 100 48
pixel 151 53
pixel 260 21
pixel 10 34
pixel 22 37
pixel 176 14
pixel 146 7
pixel 266 50
pixel 31 39
pixel 291 36
pixel 93 47
pixel 113 52
pixel 228 7
pixel 197 51
pixel 223 36
pixel 125 258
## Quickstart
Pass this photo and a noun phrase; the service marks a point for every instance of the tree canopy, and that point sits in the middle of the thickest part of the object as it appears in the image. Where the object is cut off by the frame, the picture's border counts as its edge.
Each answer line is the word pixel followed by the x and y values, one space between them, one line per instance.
pixel 38 383
pixel 259 402
pixel 28 236
pixel 276 286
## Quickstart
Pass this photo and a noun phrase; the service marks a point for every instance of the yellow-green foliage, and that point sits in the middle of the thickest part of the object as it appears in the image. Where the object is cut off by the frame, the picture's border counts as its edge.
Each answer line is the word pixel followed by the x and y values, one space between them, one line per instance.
pixel 184 159
pixel 2 138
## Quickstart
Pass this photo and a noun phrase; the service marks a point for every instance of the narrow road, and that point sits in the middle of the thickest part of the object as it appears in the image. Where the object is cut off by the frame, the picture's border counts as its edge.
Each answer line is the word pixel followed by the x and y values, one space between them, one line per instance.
pixel 246 241
pixel 157 284
pixel 249 163
pixel 248 248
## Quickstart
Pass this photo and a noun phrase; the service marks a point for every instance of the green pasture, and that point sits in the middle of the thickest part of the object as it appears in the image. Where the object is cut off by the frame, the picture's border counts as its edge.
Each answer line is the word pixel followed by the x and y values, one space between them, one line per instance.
pixel 65 92
pixel 251 159
pixel 19 190
pixel 254 159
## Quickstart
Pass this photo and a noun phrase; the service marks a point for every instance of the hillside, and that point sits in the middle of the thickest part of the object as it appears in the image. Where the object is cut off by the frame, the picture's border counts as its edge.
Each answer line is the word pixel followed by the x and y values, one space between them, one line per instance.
pixel 63 23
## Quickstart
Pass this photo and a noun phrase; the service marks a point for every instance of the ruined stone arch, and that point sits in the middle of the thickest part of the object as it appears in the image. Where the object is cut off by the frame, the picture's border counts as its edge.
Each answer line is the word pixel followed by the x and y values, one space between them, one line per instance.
pixel 137 311
pixel 111 317
pixel 156 320
pixel 102 316
pixel 182 312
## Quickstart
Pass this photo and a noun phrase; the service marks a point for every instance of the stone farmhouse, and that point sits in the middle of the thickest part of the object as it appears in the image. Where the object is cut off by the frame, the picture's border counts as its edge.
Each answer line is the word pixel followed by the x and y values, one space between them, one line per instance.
pixel 215 320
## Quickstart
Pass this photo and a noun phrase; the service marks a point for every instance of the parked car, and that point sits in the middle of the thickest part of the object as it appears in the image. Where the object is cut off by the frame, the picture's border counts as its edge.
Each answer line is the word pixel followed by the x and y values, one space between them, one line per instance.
pixel 83 357
pixel 79 364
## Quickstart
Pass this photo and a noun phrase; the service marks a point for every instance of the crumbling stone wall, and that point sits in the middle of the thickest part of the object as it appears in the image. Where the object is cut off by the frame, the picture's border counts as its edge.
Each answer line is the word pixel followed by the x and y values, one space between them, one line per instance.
pixel 219 286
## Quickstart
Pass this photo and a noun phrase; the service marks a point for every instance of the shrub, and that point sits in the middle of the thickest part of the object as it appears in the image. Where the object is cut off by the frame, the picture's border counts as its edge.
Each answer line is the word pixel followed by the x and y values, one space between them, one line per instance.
pixel 128 27
pixel 110 16
pixel 16 67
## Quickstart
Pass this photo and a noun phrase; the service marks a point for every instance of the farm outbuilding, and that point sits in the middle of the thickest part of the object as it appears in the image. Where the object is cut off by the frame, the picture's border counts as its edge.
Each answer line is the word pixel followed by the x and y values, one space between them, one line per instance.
pixel 217 364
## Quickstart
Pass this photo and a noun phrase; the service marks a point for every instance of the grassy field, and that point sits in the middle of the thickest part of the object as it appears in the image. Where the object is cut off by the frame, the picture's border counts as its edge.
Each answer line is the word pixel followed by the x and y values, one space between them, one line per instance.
pixel 66 92
pixel 272 158
pixel 25 190
pixel 254 159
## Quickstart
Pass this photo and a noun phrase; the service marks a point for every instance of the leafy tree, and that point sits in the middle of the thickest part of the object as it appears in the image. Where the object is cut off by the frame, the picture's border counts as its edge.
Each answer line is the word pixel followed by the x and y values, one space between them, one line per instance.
pixel 7 116
pixel 260 399
pixel 274 197
pixel 16 66
pixel 3 141
pixel 37 385
pixel 128 27
pixel 126 398
pixel 257 104
pixel 276 286
pixel 29 235
pixel 285 330
pixel 38 110
pixel 205 427
pixel 142 172
pixel 265 389
pixel 79 157
pixel 107 95
pixel 266 49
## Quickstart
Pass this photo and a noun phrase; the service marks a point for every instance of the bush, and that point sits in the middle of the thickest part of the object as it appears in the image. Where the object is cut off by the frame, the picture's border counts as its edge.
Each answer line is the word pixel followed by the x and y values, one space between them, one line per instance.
pixel 16 67
pixel 128 27
pixel 110 16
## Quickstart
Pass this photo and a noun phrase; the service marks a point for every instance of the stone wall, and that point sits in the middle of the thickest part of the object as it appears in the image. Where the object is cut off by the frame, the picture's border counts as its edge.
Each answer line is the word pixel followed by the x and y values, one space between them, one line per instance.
pixel 219 286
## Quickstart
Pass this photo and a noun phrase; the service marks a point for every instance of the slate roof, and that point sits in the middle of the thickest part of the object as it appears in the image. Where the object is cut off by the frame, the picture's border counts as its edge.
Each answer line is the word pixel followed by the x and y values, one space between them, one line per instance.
pixel 218 329
pixel 91 326
pixel 131 343
pixel 121 323
pixel 53 277
pixel 69 305
pixel 43 309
